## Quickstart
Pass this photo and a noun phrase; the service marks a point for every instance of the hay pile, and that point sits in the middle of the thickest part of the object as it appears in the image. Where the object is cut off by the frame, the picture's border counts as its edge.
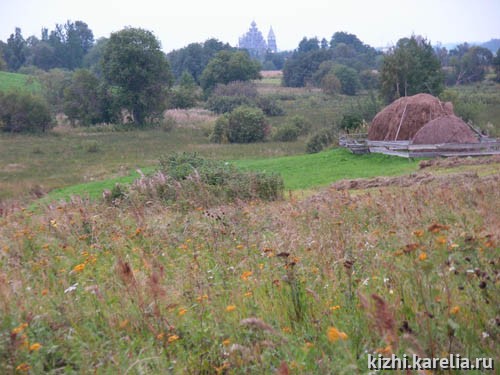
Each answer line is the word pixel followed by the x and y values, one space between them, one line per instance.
pixel 405 116
pixel 446 129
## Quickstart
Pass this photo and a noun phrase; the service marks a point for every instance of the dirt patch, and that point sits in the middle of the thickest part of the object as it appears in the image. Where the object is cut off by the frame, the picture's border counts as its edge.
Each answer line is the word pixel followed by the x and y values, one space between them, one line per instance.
pixel 406 181
pixel 456 161
pixel 402 119
pixel 445 129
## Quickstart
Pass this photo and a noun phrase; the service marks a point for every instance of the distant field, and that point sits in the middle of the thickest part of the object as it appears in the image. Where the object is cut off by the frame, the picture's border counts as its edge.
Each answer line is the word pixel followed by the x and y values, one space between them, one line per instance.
pixel 15 81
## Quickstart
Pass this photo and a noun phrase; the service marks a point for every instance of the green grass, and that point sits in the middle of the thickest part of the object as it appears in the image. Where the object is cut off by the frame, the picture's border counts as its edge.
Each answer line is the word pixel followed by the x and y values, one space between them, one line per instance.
pixel 299 172
pixel 313 170
pixel 16 81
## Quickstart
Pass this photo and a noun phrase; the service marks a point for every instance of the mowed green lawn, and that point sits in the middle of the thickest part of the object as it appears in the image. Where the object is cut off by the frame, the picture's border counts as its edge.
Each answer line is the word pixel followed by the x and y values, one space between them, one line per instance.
pixel 313 170
pixel 299 172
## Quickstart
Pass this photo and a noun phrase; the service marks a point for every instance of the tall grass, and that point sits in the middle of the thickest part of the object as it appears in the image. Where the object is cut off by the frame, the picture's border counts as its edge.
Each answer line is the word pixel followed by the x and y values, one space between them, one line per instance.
pixel 310 286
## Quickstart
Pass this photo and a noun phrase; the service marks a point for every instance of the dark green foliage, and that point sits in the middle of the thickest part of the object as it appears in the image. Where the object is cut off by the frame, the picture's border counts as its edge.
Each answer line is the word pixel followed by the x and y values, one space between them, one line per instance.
pixel 227 67
pixel 184 95
pixel 299 69
pixel 219 134
pixel 243 125
pixel 15 50
pixel 84 99
pixel 348 77
pixel 351 121
pixel 410 68
pixel 195 57
pixel 133 61
pixel 469 64
pixel 300 123
pixel 23 112
pixel 246 125
pixel 496 65
pixel 318 141
pixel 225 98
pixel 287 133
pixel 187 180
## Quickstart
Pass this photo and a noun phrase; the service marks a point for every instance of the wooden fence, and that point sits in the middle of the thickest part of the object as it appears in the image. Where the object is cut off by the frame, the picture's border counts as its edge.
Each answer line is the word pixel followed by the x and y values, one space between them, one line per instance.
pixel 358 144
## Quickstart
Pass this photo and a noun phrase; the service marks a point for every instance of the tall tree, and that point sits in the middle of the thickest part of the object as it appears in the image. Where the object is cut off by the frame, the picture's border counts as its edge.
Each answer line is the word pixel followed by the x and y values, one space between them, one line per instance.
pixel 133 62
pixel 228 66
pixel 15 51
pixel 411 67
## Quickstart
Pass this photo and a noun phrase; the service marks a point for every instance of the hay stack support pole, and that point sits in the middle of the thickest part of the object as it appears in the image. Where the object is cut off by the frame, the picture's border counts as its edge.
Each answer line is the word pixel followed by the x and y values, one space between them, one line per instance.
pixel 401 122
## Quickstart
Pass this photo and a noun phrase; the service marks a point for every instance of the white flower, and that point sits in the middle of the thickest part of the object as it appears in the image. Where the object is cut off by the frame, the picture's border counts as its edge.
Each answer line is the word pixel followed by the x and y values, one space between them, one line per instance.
pixel 71 288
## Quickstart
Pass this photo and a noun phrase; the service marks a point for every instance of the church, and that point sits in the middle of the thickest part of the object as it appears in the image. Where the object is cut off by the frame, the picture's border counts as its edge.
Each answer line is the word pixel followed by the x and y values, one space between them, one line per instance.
pixel 254 42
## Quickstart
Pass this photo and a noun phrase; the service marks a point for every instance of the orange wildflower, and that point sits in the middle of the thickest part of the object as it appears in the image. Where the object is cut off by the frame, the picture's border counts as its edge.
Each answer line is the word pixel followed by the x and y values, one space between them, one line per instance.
pixel 35 347
pixel 230 308
pixel 422 256
pixel 79 267
pixel 454 310
pixel 172 338
pixel 245 275
pixel 334 334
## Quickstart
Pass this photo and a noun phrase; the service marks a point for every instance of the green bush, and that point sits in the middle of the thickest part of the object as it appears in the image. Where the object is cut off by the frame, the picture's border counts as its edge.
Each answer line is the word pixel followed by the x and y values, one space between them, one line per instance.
pixel 301 123
pixel 219 133
pixel 351 121
pixel 246 125
pixel 225 104
pixel 287 133
pixel 269 106
pixel 188 180
pixel 320 140
pixel 23 112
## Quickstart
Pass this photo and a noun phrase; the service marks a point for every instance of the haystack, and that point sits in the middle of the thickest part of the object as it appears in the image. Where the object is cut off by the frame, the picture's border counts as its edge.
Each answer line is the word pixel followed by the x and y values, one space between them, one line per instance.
pixel 446 129
pixel 403 118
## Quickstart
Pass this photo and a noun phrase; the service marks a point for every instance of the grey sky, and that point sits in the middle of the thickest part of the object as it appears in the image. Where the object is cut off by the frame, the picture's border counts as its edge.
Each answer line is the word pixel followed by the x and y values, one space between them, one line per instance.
pixel 178 23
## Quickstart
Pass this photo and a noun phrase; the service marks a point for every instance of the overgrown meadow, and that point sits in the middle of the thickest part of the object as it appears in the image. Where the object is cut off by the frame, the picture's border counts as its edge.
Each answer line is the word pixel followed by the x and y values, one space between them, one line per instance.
pixel 295 286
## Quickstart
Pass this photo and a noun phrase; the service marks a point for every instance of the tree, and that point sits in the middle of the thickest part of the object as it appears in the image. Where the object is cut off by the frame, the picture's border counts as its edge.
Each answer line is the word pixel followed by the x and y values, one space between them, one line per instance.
pixel 228 66
pixel 348 77
pixel 411 67
pixel 496 64
pixel 23 112
pixel 133 62
pixel 15 50
pixel 470 64
pixel 82 98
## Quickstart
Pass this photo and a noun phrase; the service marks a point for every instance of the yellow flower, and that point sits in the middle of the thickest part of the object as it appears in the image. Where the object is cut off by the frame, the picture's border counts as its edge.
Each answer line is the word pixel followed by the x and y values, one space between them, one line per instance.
pixel 160 336
pixel 418 233
pixel 182 311
pixel 287 330
pixel 248 294
pixel 35 347
pixel 245 275
pixel 226 342
pixel 386 350
pixel 333 308
pixel 23 367
pixel 239 247
pixel 454 310
pixel 441 240
pixel 172 338
pixel 19 328
pixel 334 334
pixel 79 267
pixel 123 323
pixel 422 256
pixel 230 308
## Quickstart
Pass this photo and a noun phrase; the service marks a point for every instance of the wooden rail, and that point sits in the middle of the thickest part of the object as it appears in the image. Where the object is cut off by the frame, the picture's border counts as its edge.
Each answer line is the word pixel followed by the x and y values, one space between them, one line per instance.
pixel 359 145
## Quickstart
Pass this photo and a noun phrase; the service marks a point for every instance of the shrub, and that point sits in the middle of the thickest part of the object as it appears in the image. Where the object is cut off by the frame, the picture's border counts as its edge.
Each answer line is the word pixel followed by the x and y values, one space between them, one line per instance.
pixel 225 98
pixel 320 140
pixel 269 106
pixel 301 123
pixel 219 133
pixel 188 180
pixel 351 121
pixel 287 133
pixel 330 84
pixel 246 125
pixel 23 112
pixel 225 104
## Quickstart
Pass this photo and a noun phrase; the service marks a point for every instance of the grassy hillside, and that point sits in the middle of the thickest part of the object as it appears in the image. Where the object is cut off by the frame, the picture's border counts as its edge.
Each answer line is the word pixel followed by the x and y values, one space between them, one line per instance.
pixel 14 81
pixel 307 286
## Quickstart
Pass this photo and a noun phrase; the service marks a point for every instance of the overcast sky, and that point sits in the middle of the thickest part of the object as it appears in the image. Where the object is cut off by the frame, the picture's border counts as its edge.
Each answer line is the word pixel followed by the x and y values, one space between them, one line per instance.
pixel 177 23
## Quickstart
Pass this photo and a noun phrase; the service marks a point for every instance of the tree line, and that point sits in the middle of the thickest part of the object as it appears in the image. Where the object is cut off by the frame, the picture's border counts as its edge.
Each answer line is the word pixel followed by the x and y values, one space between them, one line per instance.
pixel 93 81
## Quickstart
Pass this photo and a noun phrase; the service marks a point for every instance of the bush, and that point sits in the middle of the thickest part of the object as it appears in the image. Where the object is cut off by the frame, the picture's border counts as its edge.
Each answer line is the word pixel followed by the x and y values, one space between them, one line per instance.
pixel 301 123
pixel 351 121
pixel 225 104
pixel 219 134
pixel 269 106
pixel 23 112
pixel 246 125
pixel 187 180
pixel 320 140
pixel 330 84
pixel 287 133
